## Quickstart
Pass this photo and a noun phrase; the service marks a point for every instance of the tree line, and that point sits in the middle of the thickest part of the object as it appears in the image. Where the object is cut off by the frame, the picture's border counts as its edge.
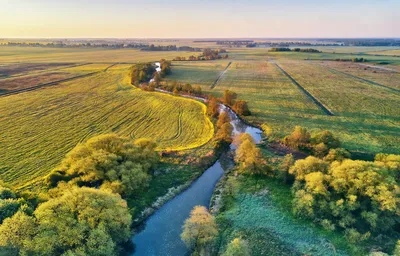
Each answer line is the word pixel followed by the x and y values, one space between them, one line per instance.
pixel 207 54
pixel 285 49
pixel 152 47
pixel 352 60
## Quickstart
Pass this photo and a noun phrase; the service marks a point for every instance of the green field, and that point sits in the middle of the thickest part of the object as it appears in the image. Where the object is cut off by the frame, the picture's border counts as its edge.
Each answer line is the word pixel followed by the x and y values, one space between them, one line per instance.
pixel 365 116
pixel 40 127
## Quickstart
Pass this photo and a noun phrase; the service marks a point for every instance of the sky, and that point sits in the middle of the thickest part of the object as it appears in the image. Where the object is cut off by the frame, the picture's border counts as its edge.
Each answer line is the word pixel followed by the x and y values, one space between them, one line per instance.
pixel 199 19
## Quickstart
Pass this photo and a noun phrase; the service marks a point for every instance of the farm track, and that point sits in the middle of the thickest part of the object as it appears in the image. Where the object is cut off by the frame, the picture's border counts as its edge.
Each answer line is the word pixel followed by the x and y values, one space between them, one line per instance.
pixel 335 71
pixel 179 131
pixel 54 83
pixel 221 75
pixel 309 95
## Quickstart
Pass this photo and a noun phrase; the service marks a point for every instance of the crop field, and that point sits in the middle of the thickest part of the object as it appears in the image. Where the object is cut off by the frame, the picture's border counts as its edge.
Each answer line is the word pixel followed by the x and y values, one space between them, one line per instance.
pixel 381 75
pixel 82 55
pixel 40 127
pixel 364 114
pixel 390 52
pixel 38 78
pixel 19 69
pixel 197 72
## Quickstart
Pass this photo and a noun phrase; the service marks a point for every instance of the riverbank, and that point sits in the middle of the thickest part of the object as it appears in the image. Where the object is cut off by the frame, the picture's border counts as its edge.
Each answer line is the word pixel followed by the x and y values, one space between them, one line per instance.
pixel 161 231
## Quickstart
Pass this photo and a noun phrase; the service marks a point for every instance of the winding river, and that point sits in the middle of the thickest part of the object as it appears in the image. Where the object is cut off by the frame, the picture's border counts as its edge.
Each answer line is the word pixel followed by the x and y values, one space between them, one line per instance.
pixel 161 234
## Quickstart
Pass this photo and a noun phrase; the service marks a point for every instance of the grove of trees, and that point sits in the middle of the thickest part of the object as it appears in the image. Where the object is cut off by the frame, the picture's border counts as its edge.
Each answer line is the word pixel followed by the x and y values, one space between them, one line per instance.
pixel 319 144
pixel 108 161
pixel 82 221
pixel 359 197
pixel 141 72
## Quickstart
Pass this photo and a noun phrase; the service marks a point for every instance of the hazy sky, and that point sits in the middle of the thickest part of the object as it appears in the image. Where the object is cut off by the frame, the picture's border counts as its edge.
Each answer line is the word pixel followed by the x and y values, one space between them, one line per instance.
pixel 202 18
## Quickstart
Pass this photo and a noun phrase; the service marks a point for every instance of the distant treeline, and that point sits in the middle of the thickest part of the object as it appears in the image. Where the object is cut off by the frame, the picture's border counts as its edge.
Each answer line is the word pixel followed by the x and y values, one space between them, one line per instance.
pixel 372 42
pixel 353 60
pixel 170 48
pixel 143 47
pixel 284 49
pixel 207 54
pixel 251 44
pixel 75 45
pixel 224 41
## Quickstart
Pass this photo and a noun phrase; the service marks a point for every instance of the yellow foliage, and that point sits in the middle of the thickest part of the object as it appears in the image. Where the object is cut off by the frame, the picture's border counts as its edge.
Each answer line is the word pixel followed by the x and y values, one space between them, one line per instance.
pixel 315 183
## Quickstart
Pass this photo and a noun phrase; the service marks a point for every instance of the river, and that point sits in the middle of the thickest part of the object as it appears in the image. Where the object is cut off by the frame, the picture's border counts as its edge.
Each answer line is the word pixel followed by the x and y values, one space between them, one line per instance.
pixel 161 233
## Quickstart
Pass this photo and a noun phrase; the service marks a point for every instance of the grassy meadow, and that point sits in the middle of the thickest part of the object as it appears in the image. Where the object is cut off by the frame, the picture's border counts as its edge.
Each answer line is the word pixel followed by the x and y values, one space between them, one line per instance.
pixel 40 127
pixel 365 115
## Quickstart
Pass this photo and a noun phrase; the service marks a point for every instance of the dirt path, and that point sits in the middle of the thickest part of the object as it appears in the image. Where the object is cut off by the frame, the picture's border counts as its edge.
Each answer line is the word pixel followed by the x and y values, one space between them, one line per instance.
pixel 220 76
pixel 362 79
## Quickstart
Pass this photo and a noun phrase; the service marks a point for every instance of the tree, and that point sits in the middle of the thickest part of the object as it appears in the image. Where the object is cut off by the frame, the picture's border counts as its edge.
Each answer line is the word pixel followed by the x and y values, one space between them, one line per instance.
pixel 287 163
pixel 223 118
pixel 17 231
pixel 108 158
pixel 267 130
pixel 229 97
pixel 224 134
pixel 10 202
pixel 157 78
pixel 212 108
pixel 237 247
pixel 250 158
pixel 241 108
pixel 396 251
pixel 337 154
pixel 299 138
pixel 197 90
pixel 200 229
pixel 327 138
pixel 84 220
pixel 305 166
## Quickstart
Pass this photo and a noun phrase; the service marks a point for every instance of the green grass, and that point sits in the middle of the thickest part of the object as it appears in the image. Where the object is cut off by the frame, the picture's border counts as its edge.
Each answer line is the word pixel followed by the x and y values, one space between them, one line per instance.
pixel 260 212
pixel 381 75
pixel 40 127
pixel 201 73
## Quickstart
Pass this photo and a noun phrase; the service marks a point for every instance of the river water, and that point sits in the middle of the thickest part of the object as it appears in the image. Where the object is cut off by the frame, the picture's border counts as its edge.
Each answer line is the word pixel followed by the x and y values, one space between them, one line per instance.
pixel 161 234
pixel 162 230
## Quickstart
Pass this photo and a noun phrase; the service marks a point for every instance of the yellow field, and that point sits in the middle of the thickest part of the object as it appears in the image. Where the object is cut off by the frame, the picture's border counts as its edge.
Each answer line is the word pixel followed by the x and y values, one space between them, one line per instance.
pixel 40 127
